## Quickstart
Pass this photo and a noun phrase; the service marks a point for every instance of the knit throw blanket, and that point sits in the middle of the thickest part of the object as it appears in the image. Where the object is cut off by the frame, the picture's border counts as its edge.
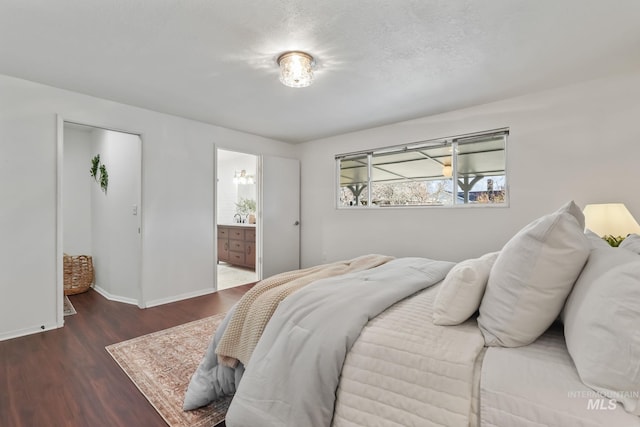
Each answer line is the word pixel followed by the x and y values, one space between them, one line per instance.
pixel 256 307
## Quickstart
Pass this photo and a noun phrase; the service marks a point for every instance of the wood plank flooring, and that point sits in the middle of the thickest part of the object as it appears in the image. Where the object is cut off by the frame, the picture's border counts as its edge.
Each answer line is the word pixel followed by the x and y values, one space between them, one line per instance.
pixel 65 377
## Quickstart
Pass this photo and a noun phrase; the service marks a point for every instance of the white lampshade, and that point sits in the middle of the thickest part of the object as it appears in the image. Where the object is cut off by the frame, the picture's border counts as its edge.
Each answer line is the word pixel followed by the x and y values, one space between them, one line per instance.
pixel 610 219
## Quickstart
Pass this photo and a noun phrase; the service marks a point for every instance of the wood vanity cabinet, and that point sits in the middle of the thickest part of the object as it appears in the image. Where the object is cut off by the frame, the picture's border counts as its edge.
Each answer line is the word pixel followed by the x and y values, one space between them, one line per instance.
pixel 237 245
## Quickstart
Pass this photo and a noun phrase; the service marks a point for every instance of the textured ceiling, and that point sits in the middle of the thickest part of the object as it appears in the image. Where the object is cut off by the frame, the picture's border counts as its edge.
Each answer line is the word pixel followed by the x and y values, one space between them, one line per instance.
pixel 378 62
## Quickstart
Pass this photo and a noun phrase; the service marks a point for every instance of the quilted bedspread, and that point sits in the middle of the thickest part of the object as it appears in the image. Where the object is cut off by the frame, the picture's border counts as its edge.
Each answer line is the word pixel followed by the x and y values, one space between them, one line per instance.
pixel 405 371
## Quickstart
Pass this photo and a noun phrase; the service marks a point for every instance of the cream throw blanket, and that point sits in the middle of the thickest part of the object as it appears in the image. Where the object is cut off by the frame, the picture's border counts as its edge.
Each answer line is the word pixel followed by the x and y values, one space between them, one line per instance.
pixel 256 307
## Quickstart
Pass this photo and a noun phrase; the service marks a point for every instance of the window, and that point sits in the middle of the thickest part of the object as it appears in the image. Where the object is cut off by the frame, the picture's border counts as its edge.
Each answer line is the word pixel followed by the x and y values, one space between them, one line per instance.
pixel 455 171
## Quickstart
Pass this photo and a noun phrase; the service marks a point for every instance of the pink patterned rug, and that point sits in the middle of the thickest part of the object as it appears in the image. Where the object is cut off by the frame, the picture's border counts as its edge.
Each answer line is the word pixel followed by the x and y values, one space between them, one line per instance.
pixel 161 365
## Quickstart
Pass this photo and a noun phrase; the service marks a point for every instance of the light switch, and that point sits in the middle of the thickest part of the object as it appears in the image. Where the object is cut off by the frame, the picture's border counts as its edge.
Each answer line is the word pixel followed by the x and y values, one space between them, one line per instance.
pixel 135 210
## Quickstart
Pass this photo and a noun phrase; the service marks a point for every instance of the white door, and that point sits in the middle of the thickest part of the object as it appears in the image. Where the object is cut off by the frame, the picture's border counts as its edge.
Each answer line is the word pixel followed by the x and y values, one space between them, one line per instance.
pixel 280 216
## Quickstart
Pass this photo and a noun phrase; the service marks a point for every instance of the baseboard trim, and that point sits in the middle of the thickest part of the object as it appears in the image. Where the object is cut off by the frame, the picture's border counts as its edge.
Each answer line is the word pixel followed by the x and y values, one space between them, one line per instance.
pixel 115 298
pixel 180 297
pixel 27 331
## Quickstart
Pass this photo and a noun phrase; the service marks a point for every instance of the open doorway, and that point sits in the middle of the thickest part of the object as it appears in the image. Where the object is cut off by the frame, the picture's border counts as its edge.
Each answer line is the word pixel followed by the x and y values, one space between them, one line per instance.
pixel 236 218
pixel 99 177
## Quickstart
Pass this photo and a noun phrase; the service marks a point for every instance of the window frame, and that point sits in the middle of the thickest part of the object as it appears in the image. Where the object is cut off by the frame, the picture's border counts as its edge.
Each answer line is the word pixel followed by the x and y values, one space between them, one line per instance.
pixel 452 141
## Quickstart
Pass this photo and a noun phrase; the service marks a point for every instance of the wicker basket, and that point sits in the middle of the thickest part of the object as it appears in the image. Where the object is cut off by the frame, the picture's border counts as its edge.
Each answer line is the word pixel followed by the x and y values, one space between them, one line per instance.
pixel 78 273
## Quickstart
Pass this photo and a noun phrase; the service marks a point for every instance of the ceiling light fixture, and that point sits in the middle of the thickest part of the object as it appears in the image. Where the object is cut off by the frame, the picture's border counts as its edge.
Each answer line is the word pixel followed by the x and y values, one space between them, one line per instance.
pixel 296 69
pixel 447 170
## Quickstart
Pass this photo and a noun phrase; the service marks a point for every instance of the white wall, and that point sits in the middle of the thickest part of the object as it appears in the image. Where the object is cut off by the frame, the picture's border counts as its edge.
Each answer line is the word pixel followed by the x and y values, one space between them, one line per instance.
pixel 178 197
pixel 580 142
pixel 77 196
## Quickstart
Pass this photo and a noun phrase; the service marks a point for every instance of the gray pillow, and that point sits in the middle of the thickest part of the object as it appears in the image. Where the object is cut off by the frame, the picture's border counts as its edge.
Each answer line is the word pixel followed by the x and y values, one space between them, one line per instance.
pixel 601 325
pixel 532 277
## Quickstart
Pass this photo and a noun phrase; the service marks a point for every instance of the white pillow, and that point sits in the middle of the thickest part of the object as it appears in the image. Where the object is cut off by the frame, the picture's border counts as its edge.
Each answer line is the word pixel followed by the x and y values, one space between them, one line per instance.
pixel 631 243
pixel 532 277
pixel 461 291
pixel 602 325
pixel 595 240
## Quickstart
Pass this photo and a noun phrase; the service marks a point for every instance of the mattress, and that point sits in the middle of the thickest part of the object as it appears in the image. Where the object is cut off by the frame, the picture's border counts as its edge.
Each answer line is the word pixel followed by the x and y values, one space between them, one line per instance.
pixel 538 385
pixel 404 370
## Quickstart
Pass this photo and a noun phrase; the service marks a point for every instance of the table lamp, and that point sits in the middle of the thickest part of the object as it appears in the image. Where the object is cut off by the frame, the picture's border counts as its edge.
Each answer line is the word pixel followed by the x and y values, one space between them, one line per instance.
pixel 611 221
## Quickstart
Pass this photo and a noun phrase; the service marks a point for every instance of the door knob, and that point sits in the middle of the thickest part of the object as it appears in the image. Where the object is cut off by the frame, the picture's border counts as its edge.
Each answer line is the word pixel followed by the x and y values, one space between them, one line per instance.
pixel 296 223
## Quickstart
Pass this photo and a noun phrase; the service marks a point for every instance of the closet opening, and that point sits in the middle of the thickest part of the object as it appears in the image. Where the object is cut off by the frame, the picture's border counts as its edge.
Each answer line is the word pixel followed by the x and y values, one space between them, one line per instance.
pixel 99 214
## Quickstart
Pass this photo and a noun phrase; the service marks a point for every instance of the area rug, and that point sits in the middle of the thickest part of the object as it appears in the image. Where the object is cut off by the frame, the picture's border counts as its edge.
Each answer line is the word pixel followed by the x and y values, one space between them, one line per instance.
pixel 161 365
pixel 67 308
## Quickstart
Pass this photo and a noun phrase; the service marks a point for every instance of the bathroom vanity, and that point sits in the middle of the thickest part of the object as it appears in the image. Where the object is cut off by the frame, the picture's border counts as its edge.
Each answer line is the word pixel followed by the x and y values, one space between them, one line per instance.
pixel 237 244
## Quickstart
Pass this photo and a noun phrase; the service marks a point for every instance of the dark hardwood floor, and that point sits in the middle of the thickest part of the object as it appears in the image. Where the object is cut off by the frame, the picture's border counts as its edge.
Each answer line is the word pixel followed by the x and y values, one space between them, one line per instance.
pixel 65 377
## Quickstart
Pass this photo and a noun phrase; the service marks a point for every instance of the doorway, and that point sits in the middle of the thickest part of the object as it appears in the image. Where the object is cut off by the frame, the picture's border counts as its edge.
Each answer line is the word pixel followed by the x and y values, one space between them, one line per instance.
pixel 237 229
pixel 99 207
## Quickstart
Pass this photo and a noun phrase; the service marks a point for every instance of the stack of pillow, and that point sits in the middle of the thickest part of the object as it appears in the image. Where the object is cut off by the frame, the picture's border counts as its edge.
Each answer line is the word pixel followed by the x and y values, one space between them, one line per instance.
pixel 553 268
pixel 602 323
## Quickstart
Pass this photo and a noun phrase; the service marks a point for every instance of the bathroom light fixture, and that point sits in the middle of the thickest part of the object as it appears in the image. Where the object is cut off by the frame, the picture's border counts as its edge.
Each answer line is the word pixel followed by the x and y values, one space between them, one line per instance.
pixel 296 68
pixel 242 177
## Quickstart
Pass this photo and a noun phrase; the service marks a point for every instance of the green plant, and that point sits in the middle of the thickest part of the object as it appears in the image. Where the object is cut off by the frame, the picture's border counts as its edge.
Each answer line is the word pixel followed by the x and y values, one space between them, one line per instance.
pixel 95 162
pixel 103 180
pixel 246 206
pixel 613 240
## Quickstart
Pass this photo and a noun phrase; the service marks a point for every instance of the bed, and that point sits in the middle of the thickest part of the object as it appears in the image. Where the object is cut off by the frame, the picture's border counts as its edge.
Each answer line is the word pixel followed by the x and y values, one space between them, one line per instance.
pixel 544 332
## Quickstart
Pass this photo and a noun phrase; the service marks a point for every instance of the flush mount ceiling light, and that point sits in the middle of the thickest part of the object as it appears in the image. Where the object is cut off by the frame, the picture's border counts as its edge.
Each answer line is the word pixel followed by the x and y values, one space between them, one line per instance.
pixel 296 69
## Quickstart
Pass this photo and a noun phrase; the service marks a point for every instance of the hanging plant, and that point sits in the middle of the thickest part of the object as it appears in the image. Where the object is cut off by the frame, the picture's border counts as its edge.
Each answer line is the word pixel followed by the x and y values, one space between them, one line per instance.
pixel 95 162
pixel 104 178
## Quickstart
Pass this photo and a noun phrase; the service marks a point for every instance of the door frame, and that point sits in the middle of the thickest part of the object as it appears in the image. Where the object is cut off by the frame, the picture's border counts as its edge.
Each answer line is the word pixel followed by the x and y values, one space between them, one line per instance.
pixel 260 209
pixel 60 121
pixel 258 177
